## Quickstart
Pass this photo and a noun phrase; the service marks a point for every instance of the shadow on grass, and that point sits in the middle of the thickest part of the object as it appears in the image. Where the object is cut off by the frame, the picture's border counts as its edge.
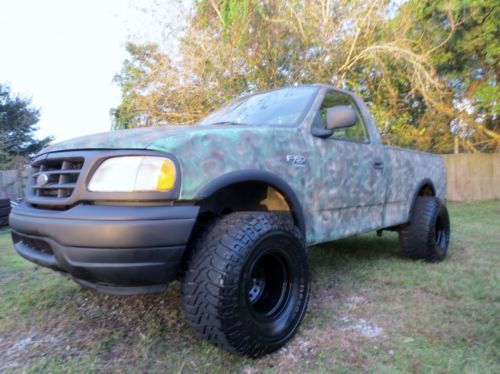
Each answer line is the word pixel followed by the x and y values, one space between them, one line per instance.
pixel 363 247
pixel 347 264
pixel 352 253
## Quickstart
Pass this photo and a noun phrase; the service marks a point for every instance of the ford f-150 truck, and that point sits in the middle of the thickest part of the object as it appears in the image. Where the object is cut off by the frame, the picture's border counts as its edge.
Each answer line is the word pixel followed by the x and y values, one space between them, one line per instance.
pixel 229 207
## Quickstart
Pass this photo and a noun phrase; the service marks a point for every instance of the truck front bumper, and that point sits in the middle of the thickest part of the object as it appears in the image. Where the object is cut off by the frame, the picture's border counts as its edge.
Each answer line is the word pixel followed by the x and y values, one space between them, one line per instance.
pixel 114 249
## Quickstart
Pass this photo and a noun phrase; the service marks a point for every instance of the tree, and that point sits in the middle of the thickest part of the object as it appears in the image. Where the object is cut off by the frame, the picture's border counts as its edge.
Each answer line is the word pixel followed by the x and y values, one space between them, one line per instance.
pixel 389 52
pixel 468 64
pixel 18 121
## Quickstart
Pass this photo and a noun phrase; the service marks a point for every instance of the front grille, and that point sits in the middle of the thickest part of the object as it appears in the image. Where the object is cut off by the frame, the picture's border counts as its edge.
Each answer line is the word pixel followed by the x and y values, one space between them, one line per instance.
pixel 55 178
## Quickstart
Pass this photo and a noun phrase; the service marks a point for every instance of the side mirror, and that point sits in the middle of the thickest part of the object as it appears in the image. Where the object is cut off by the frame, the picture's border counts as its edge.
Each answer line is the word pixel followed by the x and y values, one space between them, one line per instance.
pixel 340 116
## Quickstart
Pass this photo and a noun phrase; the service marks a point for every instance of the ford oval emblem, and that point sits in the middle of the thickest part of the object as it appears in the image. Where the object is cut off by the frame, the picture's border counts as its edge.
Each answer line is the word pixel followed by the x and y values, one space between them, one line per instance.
pixel 42 180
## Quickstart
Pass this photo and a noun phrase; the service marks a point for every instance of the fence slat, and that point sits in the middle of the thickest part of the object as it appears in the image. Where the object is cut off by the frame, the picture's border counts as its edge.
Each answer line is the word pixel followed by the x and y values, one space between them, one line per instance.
pixel 473 176
pixel 11 184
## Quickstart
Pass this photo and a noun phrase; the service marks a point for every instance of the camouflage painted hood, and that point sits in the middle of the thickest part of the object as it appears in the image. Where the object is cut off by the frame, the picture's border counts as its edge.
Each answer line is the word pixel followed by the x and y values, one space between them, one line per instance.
pixel 120 139
pixel 155 138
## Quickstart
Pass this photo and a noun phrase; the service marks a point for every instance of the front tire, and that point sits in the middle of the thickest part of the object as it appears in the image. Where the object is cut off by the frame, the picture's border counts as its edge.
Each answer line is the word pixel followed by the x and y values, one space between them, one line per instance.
pixel 427 235
pixel 247 284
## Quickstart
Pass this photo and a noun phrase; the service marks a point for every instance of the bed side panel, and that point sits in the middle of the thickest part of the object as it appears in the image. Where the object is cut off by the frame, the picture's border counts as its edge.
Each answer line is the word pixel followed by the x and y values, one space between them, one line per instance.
pixel 406 172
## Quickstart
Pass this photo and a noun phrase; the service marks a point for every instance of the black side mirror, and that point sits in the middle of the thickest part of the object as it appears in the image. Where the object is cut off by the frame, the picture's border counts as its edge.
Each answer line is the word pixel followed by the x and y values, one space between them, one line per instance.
pixel 340 116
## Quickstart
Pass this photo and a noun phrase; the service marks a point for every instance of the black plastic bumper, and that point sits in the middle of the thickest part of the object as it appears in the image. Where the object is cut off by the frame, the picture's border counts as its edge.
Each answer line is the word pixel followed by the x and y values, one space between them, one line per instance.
pixel 115 249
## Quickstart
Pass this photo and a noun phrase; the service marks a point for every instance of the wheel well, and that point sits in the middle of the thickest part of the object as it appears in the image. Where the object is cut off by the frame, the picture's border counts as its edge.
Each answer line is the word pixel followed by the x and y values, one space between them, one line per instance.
pixel 240 197
pixel 426 190
pixel 245 196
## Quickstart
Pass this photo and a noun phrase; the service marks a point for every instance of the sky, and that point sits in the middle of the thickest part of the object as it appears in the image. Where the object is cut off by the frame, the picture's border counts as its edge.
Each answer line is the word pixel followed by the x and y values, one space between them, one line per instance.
pixel 64 55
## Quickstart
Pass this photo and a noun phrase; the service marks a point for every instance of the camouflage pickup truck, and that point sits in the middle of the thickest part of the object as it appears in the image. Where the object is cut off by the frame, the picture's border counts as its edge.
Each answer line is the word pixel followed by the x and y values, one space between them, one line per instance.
pixel 229 207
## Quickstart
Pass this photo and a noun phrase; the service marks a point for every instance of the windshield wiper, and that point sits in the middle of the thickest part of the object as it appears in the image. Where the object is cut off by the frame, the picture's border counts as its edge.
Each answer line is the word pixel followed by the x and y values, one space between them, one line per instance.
pixel 226 123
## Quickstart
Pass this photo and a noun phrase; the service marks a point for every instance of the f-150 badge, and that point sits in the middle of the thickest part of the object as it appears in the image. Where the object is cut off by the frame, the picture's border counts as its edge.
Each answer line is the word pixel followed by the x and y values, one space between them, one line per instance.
pixel 295 160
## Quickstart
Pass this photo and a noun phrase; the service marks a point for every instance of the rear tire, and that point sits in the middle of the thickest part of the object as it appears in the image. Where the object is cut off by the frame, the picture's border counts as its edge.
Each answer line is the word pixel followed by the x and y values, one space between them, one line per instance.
pixel 427 235
pixel 247 284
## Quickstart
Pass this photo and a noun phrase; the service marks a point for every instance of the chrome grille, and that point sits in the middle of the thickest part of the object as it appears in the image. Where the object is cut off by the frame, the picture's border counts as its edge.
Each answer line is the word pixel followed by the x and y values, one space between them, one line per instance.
pixel 55 178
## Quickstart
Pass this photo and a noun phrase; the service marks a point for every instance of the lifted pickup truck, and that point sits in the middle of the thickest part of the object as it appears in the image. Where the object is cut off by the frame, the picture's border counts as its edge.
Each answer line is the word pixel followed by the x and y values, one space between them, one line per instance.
pixel 229 207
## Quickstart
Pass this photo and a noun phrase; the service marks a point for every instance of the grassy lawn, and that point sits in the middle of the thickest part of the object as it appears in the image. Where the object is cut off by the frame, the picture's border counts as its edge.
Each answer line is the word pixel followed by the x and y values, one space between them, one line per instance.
pixel 371 310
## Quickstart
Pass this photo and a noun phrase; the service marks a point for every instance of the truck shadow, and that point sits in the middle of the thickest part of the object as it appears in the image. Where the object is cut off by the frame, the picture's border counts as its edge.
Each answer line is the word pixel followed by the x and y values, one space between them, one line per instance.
pixel 327 261
pixel 345 261
pixel 362 247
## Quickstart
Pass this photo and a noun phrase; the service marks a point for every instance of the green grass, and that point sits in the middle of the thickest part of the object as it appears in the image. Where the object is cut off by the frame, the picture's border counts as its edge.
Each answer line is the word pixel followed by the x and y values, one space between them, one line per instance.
pixel 371 310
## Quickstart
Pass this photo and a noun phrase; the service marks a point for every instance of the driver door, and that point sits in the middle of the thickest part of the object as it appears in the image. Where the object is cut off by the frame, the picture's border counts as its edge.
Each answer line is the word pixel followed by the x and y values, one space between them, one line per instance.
pixel 348 186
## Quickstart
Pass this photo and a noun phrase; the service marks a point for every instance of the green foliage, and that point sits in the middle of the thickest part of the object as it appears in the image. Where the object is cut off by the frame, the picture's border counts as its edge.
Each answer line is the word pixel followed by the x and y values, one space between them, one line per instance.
pixel 427 69
pixel 468 62
pixel 18 121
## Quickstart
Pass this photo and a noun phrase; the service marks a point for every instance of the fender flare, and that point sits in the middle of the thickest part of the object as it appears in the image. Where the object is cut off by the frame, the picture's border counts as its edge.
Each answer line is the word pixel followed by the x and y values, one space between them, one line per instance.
pixel 251 175
pixel 422 183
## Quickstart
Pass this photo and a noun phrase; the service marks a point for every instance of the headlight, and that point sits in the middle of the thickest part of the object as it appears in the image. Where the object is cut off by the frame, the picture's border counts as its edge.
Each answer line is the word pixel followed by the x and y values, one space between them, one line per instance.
pixel 134 174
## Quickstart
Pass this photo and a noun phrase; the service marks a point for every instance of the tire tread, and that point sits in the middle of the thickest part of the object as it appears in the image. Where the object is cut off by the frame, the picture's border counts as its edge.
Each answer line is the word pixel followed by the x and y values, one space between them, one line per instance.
pixel 209 308
pixel 417 237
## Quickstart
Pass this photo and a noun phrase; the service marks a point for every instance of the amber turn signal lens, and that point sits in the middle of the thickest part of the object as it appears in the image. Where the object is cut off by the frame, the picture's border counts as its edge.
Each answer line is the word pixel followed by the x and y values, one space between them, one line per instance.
pixel 166 179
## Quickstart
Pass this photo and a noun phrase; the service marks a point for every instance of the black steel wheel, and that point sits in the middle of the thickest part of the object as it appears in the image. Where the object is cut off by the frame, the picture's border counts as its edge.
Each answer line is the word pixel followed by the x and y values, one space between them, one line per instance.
pixel 269 285
pixel 247 285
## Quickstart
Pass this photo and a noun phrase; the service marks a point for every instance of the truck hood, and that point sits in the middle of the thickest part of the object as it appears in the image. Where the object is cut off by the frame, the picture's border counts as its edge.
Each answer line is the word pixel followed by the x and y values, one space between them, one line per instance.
pixel 170 138
pixel 125 139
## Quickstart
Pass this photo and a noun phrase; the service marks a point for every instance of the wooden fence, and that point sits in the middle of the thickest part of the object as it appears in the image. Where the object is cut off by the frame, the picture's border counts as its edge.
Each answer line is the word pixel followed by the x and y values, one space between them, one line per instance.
pixel 473 176
pixel 470 177
pixel 11 184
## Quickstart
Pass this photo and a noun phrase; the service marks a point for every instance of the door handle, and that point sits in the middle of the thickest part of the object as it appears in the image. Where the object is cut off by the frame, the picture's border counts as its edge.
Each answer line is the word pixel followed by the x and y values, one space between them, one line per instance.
pixel 378 164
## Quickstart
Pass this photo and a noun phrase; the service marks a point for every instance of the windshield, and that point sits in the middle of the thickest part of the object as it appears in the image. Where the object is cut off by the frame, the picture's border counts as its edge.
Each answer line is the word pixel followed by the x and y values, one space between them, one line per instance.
pixel 283 107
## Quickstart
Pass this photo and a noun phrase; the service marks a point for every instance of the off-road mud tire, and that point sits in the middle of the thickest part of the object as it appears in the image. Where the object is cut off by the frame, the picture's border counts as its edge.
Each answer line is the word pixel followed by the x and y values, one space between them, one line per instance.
pixel 230 297
pixel 427 235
